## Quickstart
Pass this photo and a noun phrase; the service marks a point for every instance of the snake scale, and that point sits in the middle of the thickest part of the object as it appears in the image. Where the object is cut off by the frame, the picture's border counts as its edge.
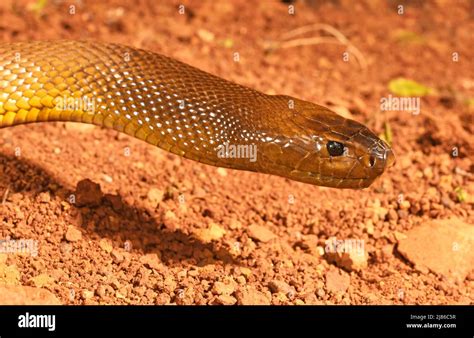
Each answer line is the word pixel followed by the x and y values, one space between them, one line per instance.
pixel 186 111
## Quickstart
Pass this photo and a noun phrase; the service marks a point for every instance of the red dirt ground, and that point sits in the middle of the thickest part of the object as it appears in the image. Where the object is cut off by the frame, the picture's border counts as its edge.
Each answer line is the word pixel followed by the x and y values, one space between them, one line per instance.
pixel 165 230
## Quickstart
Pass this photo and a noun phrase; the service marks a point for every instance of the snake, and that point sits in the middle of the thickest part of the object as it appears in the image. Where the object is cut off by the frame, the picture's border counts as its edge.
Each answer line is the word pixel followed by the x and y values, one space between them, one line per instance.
pixel 186 111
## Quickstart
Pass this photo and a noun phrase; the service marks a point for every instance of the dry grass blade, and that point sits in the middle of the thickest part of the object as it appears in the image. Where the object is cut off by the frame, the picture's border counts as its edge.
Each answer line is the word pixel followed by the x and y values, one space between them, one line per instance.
pixel 290 40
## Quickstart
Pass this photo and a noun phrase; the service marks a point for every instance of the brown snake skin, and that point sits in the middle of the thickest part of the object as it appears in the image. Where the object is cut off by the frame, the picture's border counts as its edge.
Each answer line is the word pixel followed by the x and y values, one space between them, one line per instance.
pixel 185 111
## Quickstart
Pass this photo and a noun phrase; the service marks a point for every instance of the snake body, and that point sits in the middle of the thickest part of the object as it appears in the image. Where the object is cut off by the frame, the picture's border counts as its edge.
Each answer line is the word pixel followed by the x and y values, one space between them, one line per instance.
pixel 186 111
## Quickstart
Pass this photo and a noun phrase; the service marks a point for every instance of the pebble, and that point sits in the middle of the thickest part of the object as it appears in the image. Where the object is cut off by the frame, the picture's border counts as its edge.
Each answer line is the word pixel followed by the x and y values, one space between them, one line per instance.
pixel 246 272
pixel 280 286
pixel 87 294
pixel 44 197
pixel 213 233
pixel 354 260
pixel 221 288
pixel 404 205
pixel 392 215
pixel 260 233
pixel 225 300
pixel 386 252
pixel 205 35
pixel 88 193
pixel 151 261
pixel 117 256
pixel 73 234
pixel 170 220
pixel 235 224
pixel 369 227
pixel 106 245
pixel 155 195
pixel 107 178
pixel 248 295
pixel 162 299
pixel 222 172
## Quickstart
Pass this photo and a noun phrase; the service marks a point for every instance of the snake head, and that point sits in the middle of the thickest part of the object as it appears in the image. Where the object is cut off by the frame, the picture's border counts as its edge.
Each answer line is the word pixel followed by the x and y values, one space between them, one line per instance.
pixel 323 148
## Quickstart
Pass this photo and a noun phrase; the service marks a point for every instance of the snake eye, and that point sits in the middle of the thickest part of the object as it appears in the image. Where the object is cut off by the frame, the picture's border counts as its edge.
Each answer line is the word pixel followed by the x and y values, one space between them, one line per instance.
pixel 335 148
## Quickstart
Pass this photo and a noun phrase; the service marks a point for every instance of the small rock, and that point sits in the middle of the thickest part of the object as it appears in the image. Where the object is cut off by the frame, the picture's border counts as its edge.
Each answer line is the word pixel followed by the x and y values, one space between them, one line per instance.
pixel 447 202
pixel 280 286
pixel 169 284
pixel 88 193
pixel 222 172
pixel 337 281
pixel 405 205
pixel 107 178
pixel 350 261
pixel 245 271
pixel 87 294
pixel 205 35
pixel 260 233
pixel 445 247
pixel 402 214
pixel 386 252
pixel 44 197
pixel 117 256
pixel 428 172
pixel 279 298
pixel 151 261
pixel 251 296
pixel 213 233
pixel 73 234
pixel 369 227
pixel 106 245
pixel 26 295
pixel 155 196
pixel 170 220
pixel 221 288
pixel 241 280
pixel 235 224
pixel 225 300
pixel 162 299
pixel 392 215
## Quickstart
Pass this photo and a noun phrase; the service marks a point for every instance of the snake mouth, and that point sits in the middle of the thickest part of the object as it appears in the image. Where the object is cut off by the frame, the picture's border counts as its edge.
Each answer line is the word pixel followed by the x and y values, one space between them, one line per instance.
pixel 332 181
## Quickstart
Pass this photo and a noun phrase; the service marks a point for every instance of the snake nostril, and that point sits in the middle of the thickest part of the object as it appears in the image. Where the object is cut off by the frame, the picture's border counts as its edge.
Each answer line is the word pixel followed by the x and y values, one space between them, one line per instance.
pixel 372 160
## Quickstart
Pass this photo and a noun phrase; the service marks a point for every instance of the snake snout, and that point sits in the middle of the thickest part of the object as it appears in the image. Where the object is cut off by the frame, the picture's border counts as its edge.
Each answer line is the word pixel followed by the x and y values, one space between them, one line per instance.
pixel 380 157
